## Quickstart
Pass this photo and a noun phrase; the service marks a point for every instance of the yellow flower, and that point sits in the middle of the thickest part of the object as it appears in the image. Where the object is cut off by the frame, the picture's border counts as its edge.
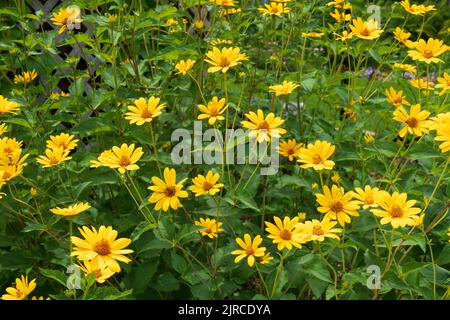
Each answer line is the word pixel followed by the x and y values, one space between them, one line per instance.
pixel 53 157
pixel 340 16
pixel 40 298
pixel 199 24
pixel 67 18
pixel 301 216
pixel 7 106
pixel 368 197
pixel 344 37
pixel 3 128
pixel 217 42
pixel 123 158
pixel 406 67
pixel 285 233
pixel 101 248
pixel 144 110
pixel 283 89
pixel 316 156
pixel 57 95
pixel 213 111
pixel 206 185
pixel 428 51
pixel 33 192
pixel 316 230
pixel 416 9
pixel 21 291
pixel 313 34
pixel 171 22
pixel 251 249
pixel 212 227
pixel 402 36
pixel 228 11
pixel 263 128
pixel 396 98
pixel 422 85
pixel 290 149
pixel 415 122
pixel 366 30
pixel 111 17
pixel 184 66
pixel 264 259
pixel 339 4
pixel 224 3
pixel 335 178
pixel 101 274
pixel 72 210
pixel 222 60
pixel 418 220
pixel 337 205
pixel 396 210
pixel 274 8
pixel 167 193
pixel 444 83
pixel 369 137
pixel 441 123
pixel 26 77
pixel 63 140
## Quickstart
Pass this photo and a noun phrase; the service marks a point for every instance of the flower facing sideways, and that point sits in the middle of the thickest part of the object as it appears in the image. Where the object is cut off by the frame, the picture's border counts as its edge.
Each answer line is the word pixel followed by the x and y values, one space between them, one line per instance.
pixel 65 141
pixel 101 274
pixel 416 9
pixel 316 230
pixel 283 89
pixel 53 157
pixel 7 106
pixel 250 249
pixel 366 30
pixel 184 66
pixel 166 193
pixel 22 289
pixel 444 83
pixel 72 210
pixel 25 77
pixel 101 247
pixel 274 8
pixel 367 197
pixel 66 18
pixel 290 149
pixel 441 123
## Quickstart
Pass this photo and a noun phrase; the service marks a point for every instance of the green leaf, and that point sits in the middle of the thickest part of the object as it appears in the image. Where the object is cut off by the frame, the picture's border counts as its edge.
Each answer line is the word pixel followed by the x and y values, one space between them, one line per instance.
pixel 56 275
pixel 178 262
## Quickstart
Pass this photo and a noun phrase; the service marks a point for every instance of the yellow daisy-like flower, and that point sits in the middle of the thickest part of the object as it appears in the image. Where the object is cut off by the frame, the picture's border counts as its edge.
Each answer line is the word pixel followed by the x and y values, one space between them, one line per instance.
pixel 336 178
pixel 368 197
pixel 444 83
pixel 403 37
pixel 397 210
pixel 416 9
pixel 313 34
pixel 72 210
pixel 290 149
pixel 123 158
pixel 213 112
pixel 206 185
pixel 264 259
pixel 212 228
pixel 53 157
pixel 406 67
pixel 7 106
pixel 344 36
pixel 101 247
pixel 251 249
pixel 286 233
pixel 396 98
pixel 415 122
pixel 144 110
pixel 184 66
pixel 274 8
pixel 263 128
pixel 421 84
pixel 26 77
pixel 428 51
pixel 217 42
pixel 21 291
pixel 101 274
pixel 316 156
pixel 63 140
pixel 224 3
pixel 285 88
pixel 222 60
pixel 369 137
pixel 316 230
pixel 3 128
pixel 337 205
pixel 166 193
pixel 368 30
pixel 441 123
pixel 228 11
pixel 66 18
pixel 340 16
pixel 171 22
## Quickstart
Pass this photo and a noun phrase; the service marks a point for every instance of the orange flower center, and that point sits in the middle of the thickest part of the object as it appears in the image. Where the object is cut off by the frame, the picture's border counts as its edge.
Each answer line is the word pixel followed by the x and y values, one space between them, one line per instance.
pixel 365 32
pixel 412 122
pixel 286 235
pixel 146 114
pixel 317 158
pixel 336 206
pixel 98 273
pixel 290 151
pixel 170 191
pixel 250 251
pixel 398 100
pixel 53 160
pixel 317 230
pixel 428 53
pixel 124 161
pixel 274 10
pixel 369 200
pixel 6 175
pixel 264 125
pixel 396 212
pixel 224 62
pixel 207 186
pixel 102 247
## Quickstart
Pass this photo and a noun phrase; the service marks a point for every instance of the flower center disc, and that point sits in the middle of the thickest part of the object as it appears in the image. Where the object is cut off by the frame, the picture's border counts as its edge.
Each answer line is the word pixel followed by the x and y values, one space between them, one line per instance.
pixel 224 62
pixel 428 53
pixel 396 212
pixel 337 206
pixel 207 186
pixel 317 230
pixel 264 125
pixel 317 159
pixel 124 161
pixel 170 191
pixel 412 122
pixel 285 235
pixel 102 248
